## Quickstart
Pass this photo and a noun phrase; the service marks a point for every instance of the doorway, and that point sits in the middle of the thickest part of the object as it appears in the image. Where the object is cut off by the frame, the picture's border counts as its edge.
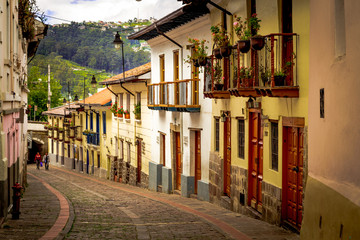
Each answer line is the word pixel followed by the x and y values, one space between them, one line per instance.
pixel 178 164
pixel 255 174
pixel 138 147
pixel 227 154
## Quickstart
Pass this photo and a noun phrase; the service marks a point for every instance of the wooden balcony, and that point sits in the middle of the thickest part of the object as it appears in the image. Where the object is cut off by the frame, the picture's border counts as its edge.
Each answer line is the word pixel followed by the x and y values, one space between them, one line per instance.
pixel 178 96
pixel 279 54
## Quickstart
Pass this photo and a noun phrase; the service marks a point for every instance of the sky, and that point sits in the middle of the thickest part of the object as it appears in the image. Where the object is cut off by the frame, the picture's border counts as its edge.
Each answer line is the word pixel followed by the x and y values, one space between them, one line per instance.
pixel 105 10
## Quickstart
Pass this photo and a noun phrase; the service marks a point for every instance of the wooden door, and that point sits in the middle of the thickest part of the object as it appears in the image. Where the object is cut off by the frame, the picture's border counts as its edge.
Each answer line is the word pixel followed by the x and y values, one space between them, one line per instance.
pixel 197 158
pixel 138 177
pixel 293 148
pixel 227 155
pixel 255 161
pixel 178 161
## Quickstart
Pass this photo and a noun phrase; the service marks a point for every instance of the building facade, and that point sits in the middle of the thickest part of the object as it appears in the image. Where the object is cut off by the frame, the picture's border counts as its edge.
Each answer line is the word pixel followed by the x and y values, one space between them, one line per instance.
pixel 18 42
pixel 332 206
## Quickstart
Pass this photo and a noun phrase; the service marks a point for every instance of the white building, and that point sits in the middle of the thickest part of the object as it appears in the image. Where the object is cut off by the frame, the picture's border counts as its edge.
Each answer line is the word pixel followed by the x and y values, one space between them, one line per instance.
pixel 181 116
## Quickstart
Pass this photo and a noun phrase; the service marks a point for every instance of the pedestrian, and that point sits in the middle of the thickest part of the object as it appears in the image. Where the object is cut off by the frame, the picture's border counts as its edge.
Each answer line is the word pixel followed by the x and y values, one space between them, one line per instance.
pixel 46 161
pixel 37 160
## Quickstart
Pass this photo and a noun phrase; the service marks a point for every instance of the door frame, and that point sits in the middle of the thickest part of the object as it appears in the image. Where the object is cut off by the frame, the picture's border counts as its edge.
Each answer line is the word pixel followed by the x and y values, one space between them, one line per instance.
pixel 288 122
pixel 227 156
pixel 260 162
pixel 138 159
pixel 177 179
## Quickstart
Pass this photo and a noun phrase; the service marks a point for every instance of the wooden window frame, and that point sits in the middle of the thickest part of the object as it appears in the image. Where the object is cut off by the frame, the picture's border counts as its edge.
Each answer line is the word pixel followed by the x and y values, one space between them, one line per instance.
pixel 217 134
pixel 274 145
pixel 241 138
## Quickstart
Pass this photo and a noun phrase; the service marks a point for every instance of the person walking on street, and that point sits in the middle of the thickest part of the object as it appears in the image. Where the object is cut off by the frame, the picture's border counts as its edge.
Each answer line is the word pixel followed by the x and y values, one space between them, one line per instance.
pixel 46 161
pixel 37 160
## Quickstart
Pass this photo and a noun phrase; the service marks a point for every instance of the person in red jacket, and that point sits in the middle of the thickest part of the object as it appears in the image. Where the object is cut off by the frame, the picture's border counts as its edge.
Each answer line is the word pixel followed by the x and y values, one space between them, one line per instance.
pixel 37 160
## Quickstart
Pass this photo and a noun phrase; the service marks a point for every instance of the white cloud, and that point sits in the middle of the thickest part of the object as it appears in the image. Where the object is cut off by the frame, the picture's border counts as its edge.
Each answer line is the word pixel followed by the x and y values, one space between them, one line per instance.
pixel 106 10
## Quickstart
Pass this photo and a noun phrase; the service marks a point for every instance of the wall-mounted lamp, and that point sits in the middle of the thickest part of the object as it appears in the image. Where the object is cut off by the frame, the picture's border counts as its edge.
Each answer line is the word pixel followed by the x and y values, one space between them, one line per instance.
pixel 223 117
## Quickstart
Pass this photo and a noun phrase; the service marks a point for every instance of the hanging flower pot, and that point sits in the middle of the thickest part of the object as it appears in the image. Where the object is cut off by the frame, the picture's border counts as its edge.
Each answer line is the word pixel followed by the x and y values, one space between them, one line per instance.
pixel 225 51
pixel 217 53
pixel 243 46
pixel 257 42
pixel 202 61
pixel 196 63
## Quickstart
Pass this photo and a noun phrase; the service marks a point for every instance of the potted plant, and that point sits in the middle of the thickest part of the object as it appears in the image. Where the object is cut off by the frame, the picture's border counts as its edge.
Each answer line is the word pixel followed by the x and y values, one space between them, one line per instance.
pixel 218 77
pixel 257 41
pixel 137 111
pixel 246 76
pixel 120 112
pixel 265 75
pixel 199 54
pixel 279 78
pixel 127 114
pixel 86 132
pixel 243 33
pixel 221 40
pixel 114 108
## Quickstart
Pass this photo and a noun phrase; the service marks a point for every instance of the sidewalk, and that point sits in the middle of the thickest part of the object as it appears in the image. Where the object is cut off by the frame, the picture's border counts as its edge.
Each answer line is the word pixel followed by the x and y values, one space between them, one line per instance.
pixel 40 208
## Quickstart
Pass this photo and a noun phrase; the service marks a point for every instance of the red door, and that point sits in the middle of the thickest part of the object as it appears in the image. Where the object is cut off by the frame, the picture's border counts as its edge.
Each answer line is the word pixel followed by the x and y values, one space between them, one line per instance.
pixel 197 158
pixel 138 178
pixel 255 161
pixel 227 155
pixel 178 160
pixel 293 151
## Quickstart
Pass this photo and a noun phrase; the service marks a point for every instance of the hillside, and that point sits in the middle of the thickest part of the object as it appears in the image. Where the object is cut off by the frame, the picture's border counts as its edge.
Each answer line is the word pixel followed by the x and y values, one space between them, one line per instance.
pixel 90 45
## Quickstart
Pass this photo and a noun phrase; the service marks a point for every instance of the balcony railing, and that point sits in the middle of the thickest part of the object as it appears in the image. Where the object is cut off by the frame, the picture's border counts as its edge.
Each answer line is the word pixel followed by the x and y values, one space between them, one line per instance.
pixel 93 138
pixel 180 96
pixel 270 72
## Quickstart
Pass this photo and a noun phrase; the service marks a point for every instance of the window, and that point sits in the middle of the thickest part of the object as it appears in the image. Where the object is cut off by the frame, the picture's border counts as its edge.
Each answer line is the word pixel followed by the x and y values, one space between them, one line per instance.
pixel 217 134
pixel 274 146
pixel 91 121
pixel 128 152
pixel 121 101
pixel 127 102
pixel 176 65
pixel 162 68
pixel 340 34
pixel 138 98
pixel 162 149
pixel 241 138
pixel 104 121
pixel 98 160
pixel 121 149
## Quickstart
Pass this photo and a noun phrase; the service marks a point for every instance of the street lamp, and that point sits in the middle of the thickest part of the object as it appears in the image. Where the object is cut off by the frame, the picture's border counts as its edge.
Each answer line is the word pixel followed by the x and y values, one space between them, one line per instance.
pixel 118 42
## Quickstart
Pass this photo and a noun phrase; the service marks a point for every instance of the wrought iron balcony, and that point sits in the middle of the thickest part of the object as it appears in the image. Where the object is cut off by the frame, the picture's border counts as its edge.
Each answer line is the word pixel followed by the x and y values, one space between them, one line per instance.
pixel 180 96
pixel 271 71
pixel 93 138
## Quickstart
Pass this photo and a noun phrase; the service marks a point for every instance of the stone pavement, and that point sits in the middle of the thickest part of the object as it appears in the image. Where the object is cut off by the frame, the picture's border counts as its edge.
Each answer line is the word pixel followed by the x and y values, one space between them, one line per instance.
pixel 101 209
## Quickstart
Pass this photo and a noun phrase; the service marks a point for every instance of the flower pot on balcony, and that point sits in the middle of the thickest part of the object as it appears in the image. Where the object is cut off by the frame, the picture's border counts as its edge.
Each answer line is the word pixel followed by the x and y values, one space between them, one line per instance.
pixel 243 46
pixel 257 42
pixel 247 82
pixel 127 116
pixel 202 61
pixel 225 51
pixel 217 53
pixel 219 86
pixel 279 80
pixel 119 115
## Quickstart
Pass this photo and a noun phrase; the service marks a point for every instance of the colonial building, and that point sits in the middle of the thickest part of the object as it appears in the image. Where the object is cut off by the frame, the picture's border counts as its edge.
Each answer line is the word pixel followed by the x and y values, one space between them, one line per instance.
pixel 76 132
pixel 20 35
pixel 129 151
pixel 181 119
pixel 332 193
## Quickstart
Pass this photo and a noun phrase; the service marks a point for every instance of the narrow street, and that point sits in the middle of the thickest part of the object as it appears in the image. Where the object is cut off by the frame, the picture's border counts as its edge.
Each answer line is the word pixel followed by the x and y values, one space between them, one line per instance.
pixel 101 209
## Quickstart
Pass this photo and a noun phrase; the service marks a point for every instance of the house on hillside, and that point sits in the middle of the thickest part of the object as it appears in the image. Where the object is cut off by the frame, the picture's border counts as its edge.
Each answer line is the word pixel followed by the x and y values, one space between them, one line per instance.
pixel 181 119
pixel 131 131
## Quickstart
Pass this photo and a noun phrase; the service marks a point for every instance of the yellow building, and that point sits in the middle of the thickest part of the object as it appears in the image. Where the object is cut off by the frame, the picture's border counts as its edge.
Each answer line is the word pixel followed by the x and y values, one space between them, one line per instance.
pixel 259 128
pixel 78 139
pixel 130 144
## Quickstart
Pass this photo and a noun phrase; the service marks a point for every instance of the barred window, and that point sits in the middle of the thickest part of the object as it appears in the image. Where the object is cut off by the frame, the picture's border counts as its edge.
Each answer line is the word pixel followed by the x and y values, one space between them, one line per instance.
pixel 274 146
pixel 241 138
pixel 217 134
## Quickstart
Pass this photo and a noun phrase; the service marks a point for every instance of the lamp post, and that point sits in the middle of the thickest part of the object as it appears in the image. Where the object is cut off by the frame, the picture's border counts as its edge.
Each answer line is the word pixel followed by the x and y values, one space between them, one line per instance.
pixel 93 84
pixel 118 42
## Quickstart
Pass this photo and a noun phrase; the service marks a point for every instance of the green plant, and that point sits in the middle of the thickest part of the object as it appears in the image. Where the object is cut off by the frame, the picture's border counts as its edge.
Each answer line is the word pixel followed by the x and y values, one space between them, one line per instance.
pixel 126 112
pixel 114 108
pixel 137 110
pixel 241 29
pixel 265 74
pixel 120 110
pixel 198 50
pixel 218 73
pixel 220 36
pixel 280 73
pixel 246 73
pixel 254 24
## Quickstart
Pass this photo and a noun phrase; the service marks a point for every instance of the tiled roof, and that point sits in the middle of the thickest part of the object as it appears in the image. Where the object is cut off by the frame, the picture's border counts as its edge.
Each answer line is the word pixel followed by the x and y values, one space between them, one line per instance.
pixel 130 75
pixel 102 98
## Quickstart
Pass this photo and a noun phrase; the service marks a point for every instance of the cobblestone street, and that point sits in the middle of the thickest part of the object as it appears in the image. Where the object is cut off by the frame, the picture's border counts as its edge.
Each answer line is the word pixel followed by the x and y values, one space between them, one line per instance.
pixel 101 209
